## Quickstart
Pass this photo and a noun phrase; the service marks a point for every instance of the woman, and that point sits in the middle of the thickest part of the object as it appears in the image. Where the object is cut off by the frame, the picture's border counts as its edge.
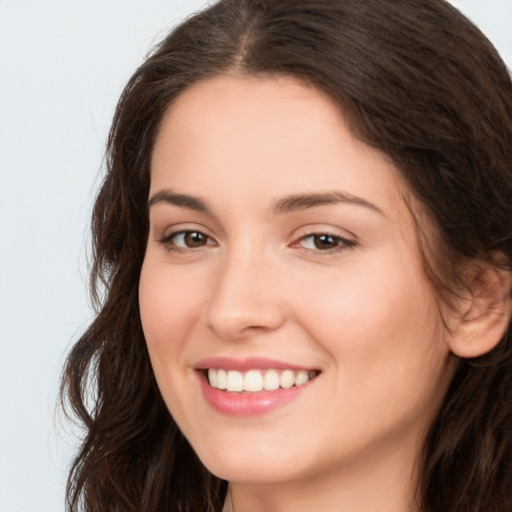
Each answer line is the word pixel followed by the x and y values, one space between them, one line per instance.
pixel 304 238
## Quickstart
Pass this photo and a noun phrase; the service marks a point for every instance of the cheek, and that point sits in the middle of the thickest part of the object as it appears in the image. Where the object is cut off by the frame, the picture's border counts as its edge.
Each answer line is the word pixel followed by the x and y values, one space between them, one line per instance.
pixel 376 325
pixel 359 298
pixel 169 307
pixel 381 332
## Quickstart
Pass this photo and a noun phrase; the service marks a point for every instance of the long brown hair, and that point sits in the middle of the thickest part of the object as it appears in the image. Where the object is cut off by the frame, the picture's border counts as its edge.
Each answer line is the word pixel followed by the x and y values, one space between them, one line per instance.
pixel 417 81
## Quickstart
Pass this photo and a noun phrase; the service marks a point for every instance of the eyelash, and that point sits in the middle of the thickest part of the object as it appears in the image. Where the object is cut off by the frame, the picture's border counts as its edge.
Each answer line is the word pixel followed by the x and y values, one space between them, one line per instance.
pixel 167 240
pixel 341 243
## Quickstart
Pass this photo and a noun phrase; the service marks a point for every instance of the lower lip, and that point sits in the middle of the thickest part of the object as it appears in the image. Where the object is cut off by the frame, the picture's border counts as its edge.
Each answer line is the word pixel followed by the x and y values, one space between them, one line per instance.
pixel 249 404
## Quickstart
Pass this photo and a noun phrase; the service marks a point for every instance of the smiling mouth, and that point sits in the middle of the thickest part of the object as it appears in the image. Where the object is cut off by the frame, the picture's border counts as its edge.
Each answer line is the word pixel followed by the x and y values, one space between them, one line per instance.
pixel 254 381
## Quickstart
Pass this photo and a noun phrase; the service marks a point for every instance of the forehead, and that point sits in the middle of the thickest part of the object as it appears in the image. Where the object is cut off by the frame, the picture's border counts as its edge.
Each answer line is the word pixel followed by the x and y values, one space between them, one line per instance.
pixel 274 134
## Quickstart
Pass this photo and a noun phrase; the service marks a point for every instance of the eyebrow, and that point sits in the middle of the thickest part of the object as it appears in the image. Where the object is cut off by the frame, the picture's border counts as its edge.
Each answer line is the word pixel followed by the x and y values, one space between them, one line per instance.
pixel 300 202
pixel 291 203
pixel 182 200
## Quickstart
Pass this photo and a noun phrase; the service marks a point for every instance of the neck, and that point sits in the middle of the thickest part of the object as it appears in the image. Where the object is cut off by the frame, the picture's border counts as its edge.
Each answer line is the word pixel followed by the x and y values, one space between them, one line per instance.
pixel 365 487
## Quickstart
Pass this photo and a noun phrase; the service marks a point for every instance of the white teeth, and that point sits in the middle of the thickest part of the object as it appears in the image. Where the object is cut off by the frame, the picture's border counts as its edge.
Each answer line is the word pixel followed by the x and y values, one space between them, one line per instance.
pixel 287 379
pixel 254 381
pixel 222 379
pixel 301 377
pixel 212 377
pixel 271 380
pixel 235 381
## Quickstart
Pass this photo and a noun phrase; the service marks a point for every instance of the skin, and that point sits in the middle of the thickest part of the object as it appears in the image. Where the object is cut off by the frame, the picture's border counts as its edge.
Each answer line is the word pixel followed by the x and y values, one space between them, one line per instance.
pixel 361 311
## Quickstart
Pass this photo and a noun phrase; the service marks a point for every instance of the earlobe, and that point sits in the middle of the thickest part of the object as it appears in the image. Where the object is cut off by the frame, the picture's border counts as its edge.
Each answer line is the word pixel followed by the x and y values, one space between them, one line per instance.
pixel 484 316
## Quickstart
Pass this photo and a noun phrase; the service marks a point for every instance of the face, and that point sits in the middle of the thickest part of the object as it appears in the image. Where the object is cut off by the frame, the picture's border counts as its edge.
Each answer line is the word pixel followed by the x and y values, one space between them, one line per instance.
pixel 282 261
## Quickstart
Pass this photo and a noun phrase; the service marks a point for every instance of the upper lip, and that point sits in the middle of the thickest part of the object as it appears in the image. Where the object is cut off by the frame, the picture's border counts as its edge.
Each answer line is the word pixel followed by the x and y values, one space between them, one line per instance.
pixel 245 364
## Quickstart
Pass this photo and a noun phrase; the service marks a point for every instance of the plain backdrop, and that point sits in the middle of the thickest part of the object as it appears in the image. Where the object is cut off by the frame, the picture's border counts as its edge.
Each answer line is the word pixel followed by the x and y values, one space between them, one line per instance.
pixel 63 64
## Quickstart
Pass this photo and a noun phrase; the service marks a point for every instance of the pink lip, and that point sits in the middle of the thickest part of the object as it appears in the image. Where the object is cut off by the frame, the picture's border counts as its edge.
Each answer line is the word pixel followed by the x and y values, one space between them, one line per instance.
pixel 247 404
pixel 243 365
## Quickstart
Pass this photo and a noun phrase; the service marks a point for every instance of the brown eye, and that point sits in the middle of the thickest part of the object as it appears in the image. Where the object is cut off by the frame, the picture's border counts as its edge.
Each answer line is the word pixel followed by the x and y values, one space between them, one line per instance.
pixel 325 242
pixel 186 240
pixel 194 239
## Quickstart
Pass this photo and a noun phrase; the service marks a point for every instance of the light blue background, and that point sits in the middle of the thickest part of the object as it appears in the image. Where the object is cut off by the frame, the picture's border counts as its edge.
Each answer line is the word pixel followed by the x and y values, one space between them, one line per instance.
pixel 62 67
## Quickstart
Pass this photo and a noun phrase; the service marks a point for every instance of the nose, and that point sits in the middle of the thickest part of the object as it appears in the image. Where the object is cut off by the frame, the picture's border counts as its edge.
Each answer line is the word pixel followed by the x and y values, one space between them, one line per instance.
pixel 245 299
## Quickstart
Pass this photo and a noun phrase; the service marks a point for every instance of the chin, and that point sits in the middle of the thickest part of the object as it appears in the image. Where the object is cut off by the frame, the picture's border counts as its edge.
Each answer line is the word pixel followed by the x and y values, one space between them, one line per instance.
pixel 252 464
pixel 251 472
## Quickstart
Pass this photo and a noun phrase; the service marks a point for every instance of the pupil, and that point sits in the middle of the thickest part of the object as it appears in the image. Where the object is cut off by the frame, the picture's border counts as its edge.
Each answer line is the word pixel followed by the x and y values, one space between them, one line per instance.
pixel 324 241
pixel 194 239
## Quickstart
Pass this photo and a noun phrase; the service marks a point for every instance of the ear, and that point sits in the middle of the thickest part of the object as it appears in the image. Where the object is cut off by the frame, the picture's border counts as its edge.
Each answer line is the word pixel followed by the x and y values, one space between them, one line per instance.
pixel 484 314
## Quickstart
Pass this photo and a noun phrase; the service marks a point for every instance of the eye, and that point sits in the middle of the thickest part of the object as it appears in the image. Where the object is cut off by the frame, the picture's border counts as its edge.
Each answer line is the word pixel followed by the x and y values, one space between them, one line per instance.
pixel 324 242
pixel 181 240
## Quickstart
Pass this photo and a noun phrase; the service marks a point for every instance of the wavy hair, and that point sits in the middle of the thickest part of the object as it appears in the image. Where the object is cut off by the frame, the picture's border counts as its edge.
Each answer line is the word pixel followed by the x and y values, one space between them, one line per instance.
pixel 417 81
